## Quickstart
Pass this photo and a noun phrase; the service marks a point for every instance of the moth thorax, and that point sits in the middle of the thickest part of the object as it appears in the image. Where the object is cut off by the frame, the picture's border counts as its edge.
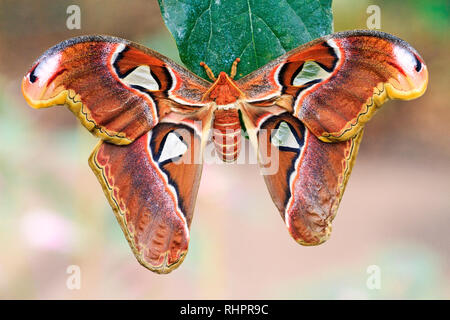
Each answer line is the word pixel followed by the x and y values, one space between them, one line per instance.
pixel 227 134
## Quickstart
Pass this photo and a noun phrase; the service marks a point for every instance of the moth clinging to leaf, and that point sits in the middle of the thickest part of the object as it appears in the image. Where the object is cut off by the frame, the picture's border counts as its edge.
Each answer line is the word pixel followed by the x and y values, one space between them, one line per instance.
pixel 154 117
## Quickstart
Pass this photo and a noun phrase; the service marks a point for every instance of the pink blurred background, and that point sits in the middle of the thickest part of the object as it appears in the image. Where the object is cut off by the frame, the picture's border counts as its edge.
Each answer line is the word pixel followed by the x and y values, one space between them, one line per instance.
pixel 395 213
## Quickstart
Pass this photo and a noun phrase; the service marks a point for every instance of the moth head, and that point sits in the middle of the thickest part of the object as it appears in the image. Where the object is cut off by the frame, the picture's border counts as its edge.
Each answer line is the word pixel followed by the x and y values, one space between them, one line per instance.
pixel 223 78
pixel 40 86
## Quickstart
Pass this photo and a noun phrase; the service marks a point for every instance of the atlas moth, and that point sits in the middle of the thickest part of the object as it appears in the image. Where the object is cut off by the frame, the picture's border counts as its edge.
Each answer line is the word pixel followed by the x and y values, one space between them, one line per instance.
pixel 153 118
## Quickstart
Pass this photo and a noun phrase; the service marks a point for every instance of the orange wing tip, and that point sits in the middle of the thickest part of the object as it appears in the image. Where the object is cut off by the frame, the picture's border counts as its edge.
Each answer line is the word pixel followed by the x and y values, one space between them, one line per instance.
pixel 33 96
pixel 38 97
pixel 168 264
pixel 72 100
pixel 409 89
pixel 159 258
pixel 417 91
pixel 305 236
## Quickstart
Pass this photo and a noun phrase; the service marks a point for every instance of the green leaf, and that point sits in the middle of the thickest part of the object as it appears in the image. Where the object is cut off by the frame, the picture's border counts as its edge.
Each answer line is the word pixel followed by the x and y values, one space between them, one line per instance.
pixel 257 31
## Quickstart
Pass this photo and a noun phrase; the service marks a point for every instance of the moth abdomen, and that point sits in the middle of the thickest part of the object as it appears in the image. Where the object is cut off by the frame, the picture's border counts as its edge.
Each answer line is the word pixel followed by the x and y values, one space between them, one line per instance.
pixel 227 134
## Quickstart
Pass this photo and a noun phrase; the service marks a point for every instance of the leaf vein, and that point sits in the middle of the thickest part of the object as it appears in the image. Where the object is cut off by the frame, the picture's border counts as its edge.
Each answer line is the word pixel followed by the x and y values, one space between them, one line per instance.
pixel 251 32
pixel 195 23
pixel 210 30
pixel 300 18
pixel 271 30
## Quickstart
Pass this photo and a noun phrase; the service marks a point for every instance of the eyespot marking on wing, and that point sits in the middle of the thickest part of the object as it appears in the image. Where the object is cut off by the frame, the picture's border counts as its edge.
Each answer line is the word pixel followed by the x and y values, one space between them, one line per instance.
pixel 283 137
pixel 406 59
pixel 141 77
pixel 45 70
pixel 173 147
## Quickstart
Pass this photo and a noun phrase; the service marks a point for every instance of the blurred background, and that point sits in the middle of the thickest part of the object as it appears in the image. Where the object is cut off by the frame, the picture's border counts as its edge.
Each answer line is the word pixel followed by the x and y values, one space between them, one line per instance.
pixel 395 213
